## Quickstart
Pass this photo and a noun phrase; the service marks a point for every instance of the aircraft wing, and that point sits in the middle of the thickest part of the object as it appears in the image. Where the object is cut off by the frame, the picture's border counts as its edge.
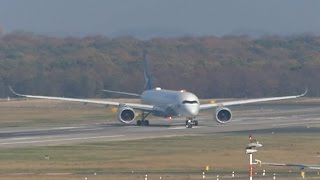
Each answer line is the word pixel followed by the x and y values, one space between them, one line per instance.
pixel 313 166
pixel 143 107
pixel 247 101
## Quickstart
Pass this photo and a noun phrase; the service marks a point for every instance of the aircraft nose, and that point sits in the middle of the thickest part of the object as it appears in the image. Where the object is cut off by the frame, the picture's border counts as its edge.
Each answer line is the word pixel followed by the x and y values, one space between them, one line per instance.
pixel 192 109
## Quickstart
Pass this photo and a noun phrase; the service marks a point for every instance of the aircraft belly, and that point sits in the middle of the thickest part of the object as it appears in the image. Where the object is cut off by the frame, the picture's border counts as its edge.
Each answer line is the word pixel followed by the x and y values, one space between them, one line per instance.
pixel 165 111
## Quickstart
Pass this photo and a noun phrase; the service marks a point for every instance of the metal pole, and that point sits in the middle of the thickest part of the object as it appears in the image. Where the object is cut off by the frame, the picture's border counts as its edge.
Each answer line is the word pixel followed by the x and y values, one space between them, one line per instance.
pixel 250 167
pixel 250 149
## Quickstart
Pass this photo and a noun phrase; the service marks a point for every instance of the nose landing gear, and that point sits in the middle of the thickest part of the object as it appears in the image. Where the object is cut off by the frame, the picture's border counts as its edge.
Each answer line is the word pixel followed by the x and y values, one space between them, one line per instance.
pixel 190 122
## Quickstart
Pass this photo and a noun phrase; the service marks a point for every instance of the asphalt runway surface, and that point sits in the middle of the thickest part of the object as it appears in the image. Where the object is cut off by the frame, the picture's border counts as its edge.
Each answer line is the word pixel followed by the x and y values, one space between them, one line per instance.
pixel 265 118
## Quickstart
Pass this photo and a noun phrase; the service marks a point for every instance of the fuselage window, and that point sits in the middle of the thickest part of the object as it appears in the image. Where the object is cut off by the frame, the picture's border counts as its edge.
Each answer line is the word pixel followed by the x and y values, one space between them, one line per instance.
pixel 190 102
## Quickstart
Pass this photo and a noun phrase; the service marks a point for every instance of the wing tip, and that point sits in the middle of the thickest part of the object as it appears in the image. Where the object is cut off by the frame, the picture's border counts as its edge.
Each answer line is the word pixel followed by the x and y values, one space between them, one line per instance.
pixel 305 93
pixel 14 92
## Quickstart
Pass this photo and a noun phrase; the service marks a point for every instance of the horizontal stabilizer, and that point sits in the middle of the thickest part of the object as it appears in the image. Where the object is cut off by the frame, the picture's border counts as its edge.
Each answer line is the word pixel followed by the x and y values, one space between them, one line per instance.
pixel 122 93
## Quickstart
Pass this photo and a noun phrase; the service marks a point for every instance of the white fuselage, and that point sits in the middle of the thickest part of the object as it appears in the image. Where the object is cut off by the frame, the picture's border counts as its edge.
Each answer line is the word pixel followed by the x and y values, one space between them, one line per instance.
pixel 170 103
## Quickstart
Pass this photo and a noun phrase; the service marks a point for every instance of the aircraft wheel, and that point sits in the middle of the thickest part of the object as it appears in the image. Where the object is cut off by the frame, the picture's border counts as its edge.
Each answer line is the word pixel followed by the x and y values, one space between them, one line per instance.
pixel 146 122
pixel 189 125
pixel 138 123
pixel 196 123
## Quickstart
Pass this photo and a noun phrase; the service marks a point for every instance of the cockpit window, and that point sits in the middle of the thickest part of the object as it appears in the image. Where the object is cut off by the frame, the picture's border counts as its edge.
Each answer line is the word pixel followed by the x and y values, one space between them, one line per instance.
pixel 190 102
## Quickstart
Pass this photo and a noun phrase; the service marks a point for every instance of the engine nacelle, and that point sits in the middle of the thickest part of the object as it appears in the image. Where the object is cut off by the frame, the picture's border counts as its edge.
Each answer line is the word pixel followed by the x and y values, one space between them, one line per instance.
pixel 223 115
pixel 126 115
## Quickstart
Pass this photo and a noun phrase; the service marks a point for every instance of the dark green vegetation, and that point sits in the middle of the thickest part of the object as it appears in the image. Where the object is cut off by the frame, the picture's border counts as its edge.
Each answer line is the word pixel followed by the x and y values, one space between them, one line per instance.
pixel 207 66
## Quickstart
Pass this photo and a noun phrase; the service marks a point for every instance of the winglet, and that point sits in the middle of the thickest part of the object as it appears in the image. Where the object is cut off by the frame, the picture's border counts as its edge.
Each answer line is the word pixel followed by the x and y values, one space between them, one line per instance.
pixel 15 93
pixel 305 92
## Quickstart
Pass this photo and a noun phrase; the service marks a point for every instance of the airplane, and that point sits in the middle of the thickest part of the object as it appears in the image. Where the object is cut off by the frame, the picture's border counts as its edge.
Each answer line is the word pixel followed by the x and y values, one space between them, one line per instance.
pixel 164 103
pixel 300 166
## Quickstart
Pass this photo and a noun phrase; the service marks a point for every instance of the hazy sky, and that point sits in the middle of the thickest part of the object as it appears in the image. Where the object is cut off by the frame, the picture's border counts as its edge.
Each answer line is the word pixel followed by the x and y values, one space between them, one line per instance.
pixel 157 17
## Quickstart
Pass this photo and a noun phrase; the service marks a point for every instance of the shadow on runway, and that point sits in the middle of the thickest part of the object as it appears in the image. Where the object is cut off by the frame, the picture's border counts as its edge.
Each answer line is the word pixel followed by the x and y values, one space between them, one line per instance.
pixel 132 125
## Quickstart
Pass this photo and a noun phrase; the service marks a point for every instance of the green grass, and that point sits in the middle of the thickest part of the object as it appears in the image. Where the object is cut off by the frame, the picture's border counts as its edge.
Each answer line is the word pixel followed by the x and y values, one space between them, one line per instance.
pixel 222 152
pixel 39 113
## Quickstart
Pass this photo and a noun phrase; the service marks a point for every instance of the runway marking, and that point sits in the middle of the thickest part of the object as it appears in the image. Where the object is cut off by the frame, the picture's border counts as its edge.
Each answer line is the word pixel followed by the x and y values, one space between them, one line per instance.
pixel 22 133
pixel 20 174
pixel 58 140
pixel 21 138
pixel 87 129
pixel 164 136
pixel 174 128
pixel 62 128
pixel 56 174
pixel 183 127
pixel 297 123
pixel 47 129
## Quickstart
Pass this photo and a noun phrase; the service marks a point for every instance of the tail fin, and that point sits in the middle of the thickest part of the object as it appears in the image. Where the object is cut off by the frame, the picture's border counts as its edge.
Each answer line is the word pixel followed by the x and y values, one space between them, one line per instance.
pixel 147 79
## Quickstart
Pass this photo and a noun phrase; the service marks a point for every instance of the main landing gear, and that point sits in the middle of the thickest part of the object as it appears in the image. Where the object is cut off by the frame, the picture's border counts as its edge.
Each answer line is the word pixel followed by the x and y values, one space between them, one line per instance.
pixel 190 122
pixel 143 121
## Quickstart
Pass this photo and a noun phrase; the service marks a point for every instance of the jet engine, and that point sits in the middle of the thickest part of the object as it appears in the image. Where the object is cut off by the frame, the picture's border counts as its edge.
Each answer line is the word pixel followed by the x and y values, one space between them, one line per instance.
pixel 223 115
pixel 126 115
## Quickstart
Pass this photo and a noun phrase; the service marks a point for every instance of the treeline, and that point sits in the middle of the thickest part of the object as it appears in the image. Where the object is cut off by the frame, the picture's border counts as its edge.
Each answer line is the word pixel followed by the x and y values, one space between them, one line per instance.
pixel 208 66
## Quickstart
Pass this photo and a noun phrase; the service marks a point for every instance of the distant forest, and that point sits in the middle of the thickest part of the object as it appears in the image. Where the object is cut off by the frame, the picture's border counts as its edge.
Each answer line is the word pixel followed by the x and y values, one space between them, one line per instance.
pixel 211 67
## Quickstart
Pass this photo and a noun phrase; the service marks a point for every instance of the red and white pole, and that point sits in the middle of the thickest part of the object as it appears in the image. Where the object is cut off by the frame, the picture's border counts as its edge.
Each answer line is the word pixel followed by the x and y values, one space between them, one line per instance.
pixel 250 149
pixel 250 161
pixel 250 167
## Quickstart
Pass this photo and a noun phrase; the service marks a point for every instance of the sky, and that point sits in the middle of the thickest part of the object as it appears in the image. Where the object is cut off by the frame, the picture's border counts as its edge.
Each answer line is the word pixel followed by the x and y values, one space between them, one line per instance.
pixel 147 18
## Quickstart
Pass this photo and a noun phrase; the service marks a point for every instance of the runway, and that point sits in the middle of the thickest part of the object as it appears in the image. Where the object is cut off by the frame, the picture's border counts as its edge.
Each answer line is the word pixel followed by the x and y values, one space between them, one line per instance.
pixel 263 118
